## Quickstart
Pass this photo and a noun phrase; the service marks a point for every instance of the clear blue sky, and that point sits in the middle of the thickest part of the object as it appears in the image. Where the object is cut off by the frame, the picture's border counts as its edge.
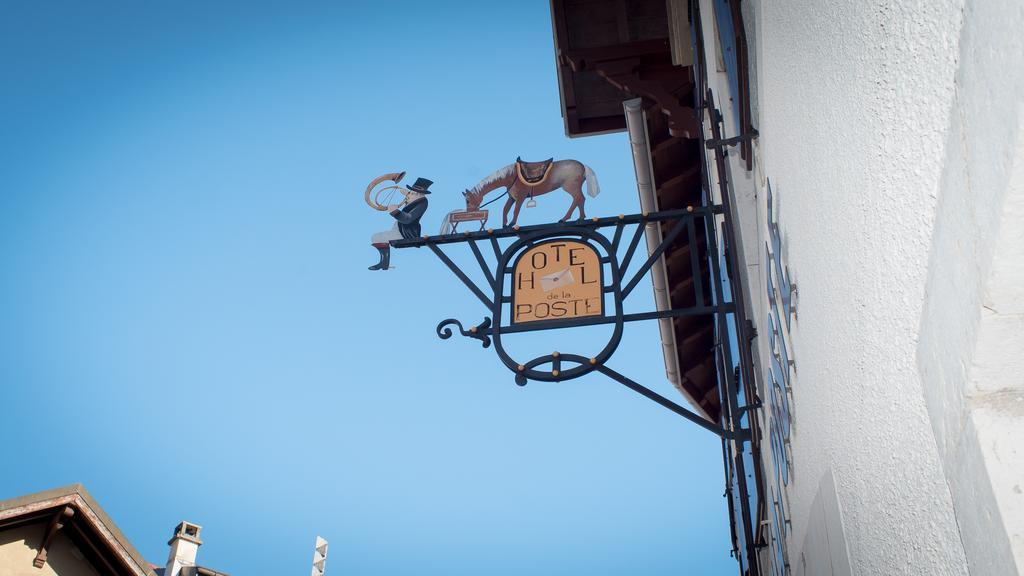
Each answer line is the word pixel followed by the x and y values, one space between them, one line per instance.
pixel 187 325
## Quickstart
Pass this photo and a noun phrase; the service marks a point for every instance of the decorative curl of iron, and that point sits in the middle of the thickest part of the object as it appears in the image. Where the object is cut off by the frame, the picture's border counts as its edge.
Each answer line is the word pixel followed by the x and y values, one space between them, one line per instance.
pixel 478 332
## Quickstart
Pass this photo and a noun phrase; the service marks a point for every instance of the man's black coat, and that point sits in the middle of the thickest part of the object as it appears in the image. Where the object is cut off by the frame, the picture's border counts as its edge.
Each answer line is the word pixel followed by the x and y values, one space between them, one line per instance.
pixel 409 218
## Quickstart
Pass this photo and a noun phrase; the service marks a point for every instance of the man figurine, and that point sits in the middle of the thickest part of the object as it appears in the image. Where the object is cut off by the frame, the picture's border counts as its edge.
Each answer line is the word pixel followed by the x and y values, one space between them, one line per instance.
pixel 407 222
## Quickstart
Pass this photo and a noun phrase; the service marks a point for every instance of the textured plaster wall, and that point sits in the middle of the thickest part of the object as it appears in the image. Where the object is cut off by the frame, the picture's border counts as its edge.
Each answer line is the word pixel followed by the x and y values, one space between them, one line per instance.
pixel 18 548
pixel 854 103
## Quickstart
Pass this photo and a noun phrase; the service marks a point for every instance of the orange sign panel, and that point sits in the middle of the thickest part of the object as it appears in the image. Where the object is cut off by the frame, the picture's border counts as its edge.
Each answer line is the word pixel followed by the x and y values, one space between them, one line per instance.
pixel 557 280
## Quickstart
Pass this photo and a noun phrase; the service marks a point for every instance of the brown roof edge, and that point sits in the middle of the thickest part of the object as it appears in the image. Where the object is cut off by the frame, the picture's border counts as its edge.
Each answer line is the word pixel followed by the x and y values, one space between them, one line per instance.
pixel 78 497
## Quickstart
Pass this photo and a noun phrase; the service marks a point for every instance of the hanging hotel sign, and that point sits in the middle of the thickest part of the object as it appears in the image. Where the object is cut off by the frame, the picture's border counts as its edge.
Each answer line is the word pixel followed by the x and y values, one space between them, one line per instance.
pixel 557 276
pixel 557 280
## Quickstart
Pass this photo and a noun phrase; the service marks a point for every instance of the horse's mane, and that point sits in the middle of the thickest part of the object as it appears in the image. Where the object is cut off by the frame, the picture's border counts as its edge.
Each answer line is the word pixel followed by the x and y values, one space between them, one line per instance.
pixel 499 174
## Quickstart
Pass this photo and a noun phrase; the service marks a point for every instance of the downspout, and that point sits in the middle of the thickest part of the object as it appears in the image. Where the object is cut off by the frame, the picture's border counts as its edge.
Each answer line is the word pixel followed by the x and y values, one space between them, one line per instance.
pixel 636 126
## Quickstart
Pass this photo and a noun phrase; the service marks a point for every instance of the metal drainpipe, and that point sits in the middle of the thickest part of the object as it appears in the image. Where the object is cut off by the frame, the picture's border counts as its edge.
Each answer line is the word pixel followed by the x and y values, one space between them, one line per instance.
pixel 636 126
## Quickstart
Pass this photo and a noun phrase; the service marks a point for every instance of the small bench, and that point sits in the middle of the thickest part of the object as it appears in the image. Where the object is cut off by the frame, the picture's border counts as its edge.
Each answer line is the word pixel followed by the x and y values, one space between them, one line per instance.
pixel 459 216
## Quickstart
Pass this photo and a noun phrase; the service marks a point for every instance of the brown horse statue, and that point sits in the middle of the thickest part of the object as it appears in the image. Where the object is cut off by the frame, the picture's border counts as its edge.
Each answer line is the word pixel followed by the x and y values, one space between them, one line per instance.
pixel 525 180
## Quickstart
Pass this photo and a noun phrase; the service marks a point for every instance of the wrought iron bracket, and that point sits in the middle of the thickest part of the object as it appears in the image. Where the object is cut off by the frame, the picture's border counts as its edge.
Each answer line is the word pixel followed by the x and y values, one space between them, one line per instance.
pixel 749 407
pixel 740 435
pixel 556 366
pixel 733 141
pixel 479 332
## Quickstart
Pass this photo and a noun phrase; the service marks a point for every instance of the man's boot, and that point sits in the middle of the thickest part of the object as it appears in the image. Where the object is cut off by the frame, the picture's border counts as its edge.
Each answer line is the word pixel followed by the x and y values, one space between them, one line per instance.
pixel 385 256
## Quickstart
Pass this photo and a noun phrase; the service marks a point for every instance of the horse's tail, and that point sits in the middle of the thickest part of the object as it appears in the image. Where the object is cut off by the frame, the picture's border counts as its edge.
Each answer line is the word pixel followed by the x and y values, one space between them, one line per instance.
pixel 593 188
pixel 446 223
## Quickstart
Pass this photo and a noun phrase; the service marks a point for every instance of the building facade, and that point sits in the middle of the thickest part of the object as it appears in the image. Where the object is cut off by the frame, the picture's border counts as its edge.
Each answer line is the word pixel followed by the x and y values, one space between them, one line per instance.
pixel 870 159
pixel 65 532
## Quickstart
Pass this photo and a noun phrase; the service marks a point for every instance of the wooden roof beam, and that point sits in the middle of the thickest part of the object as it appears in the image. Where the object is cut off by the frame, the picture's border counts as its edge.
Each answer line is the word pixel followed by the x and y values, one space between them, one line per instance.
pixel 56 523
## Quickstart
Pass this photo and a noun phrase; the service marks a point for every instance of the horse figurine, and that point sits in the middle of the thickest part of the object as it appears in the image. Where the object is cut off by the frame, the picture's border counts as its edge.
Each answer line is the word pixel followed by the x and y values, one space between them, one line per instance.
pixel 526 180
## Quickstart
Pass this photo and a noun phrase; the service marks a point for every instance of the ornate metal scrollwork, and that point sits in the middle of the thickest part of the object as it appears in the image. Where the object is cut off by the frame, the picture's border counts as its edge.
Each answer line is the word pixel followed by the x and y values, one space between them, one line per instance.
pixel 478 332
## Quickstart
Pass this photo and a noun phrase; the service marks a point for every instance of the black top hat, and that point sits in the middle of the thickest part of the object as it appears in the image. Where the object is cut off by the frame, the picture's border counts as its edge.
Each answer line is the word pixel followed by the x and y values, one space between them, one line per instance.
pixel 420 185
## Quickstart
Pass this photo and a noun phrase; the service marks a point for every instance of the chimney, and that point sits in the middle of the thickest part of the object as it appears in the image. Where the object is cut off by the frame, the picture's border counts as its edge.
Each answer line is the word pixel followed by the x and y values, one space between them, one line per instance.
pixel 184 547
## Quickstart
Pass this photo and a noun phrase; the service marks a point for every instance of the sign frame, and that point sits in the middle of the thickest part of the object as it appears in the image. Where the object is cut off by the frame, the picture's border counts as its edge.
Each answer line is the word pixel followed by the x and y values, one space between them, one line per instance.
pixel 584 364
pixel 570 365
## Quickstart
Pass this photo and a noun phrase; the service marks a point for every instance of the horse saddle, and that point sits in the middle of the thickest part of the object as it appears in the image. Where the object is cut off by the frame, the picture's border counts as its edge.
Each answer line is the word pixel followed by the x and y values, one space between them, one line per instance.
pixel 533 173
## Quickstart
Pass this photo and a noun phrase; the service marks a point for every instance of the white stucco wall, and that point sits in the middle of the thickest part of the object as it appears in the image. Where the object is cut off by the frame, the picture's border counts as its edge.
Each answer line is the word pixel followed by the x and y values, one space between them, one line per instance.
pixel 823 551
pixel 892 135
pixel 971 348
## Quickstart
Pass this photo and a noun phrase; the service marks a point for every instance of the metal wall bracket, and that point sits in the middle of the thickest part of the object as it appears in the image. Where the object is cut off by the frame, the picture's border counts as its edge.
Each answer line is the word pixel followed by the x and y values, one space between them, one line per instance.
pixel 733 141
pixel 560 366
pixel 478 332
